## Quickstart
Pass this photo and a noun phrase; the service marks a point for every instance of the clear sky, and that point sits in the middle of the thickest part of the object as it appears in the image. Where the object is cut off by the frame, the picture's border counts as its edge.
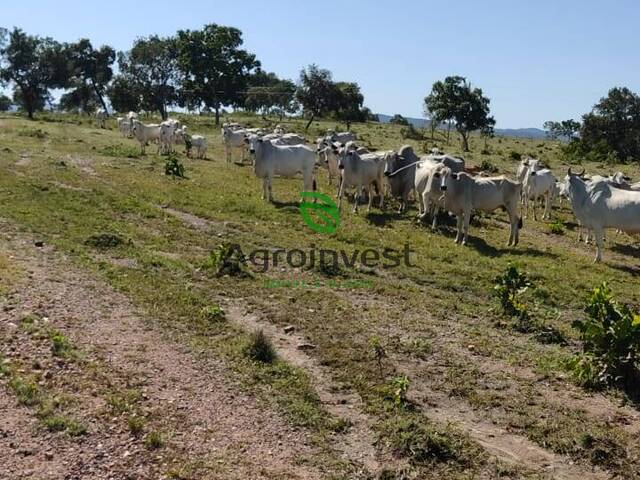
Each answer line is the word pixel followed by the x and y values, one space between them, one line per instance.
pixel 537 60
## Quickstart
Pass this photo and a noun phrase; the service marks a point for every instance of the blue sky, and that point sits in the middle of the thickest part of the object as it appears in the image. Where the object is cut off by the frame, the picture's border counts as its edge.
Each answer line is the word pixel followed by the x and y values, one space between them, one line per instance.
pixel 536 60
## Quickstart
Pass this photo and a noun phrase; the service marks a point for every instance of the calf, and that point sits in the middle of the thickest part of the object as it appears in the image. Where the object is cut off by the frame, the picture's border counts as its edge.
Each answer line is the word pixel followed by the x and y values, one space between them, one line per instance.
pixel 400 171
pixel 234 139
pixel 538 184
pixel 362 171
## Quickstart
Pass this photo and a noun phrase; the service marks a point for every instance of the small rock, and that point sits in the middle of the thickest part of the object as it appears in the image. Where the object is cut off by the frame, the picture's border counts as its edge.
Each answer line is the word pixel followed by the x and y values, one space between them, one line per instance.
pixel 289 329
pixel 39 243
pixel 306 346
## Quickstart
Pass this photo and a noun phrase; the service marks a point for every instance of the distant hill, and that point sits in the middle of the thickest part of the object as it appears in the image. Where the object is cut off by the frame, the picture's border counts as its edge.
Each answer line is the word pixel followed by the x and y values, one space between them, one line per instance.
pixel 504 132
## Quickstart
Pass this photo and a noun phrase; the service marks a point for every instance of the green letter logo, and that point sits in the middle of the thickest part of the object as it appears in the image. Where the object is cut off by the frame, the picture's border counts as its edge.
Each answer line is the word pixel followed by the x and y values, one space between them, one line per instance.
pixel 325 209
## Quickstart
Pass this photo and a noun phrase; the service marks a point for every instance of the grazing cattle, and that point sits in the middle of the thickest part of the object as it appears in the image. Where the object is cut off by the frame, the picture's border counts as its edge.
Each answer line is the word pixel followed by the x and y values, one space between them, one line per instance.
pixel 168 130
pixel 279 130
pixel 234 139
pixel 101 117
pixel 124 125
pixel 362 171
pixel 462 194
pixel 283 161
pixel 328 158
pixel 288 139
pixel 455 164
pixel 197 142
pixel 600 206
pixel 538 184
pixel 400 171
pixel 145 133
pixel 232 126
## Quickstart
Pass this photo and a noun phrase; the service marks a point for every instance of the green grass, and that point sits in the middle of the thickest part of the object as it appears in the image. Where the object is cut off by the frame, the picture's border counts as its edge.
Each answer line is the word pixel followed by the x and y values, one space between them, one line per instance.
pixel 445 300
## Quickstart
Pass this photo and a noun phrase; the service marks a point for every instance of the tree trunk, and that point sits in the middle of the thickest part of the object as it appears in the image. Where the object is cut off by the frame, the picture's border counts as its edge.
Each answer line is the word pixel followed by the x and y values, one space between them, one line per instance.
pixel 313 116
pixel 465 141
pixel 217 110
pixel 448 131
pixel 100 97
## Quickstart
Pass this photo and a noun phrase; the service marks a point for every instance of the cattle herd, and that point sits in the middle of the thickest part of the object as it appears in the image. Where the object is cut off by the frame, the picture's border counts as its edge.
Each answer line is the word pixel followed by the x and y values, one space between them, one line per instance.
pixel 437 180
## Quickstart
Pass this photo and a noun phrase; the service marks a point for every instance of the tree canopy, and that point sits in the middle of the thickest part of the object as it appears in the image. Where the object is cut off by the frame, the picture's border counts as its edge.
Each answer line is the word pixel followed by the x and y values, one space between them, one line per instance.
pixel 565 129
pixel 455 100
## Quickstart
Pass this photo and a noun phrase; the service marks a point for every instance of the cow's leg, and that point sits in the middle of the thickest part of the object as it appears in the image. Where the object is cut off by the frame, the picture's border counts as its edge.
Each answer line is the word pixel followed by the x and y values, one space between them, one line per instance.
pixel 467 219
pixel 424 199
pixel 379 184
pixel 264 188
pixel 599 234
pixel 270 182
pixel 340 192
pixel 436 210
pixel 420 206
pixel 547 206
pixel 459 220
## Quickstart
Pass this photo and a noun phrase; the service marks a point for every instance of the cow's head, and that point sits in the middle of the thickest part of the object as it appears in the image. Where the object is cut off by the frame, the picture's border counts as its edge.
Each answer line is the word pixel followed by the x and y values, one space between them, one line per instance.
pixel 343 155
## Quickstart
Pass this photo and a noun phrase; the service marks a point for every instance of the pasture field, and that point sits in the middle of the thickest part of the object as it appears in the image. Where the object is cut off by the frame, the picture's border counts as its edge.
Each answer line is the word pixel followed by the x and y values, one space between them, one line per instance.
pixel 409 372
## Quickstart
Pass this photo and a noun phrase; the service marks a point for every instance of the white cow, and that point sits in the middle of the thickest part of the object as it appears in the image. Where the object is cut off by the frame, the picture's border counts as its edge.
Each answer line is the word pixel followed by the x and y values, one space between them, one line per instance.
pixel 168 132
pixel 101 117
pixel 538 184
pixel 362 171
pixel 288 139
pixel 428 182
pixel 283 161
pixel 279 130
pixel 124 125
pixel 145 134
pixel 234 139
pixel 600 206
pixel 200 144
pixel 462 194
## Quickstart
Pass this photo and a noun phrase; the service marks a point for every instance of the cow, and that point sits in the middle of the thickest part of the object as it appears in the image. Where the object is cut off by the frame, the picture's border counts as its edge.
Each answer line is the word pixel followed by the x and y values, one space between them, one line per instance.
pixel 362 171
pixel 101 117
pixel 284 161
pixel 124 125
pixel 537 184
pixel 400 170
pixel 168 133
pixel 328 158
pixel 288 139
pixel 199 143
pixel 145 133
pixel 600 206
pixel 279 130
pixel 234 139
pixel 462 194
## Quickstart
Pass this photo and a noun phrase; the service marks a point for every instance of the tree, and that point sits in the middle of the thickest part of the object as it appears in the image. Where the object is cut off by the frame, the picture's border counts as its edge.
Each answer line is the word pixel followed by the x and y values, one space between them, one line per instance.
pixel 269 94
pixel 564 129
pixel 214 70
pixel 316 92
pixel 124 94
pixel 398 119
pixel 90 73
pixel 34 65
pixel 5 103
pixel 613 124
pixel 455 100
pixel 150 68
pixel 82 97
pixel 348 103
pixel 487 132
pixel 369 116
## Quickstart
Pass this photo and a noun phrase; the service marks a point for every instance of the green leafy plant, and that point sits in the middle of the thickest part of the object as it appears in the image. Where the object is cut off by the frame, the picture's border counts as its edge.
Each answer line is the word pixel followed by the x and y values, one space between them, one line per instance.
pixel 515 156
pixel 213 313
pixel 557 227
pixel 487 166
pixel 378 350
pixel 173 166
pixel 399 388
pixel 611 343
pixel 227 259
pixel 508 287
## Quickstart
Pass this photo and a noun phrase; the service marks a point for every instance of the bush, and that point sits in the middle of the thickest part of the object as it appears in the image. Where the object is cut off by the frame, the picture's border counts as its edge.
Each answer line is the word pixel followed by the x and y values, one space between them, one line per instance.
pixel 227 259
pixel 515 156
pixel 557 227
pixel 611 343
pixel 104 240
pixel 411 133
pixel 487 166
pixel 508 287
pixel 121 151
pixel 259 348
pixel 173 166
pixel 213 313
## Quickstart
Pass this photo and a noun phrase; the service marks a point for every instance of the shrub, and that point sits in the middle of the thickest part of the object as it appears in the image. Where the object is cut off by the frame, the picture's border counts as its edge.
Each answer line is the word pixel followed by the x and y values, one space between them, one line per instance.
pixel 557 227
pixel 32 132
pixel 487 166
pixel 121 151
pixel 378 350
pixel 173 166
pixel 60 345
pixel 227 259
pixel 154 440
pixel 213 313
pixel 508 287
pixel 411 133
pixel 515 156
pixel 259 348
pixel 611 342
pixel 104 240
pixel 399 389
